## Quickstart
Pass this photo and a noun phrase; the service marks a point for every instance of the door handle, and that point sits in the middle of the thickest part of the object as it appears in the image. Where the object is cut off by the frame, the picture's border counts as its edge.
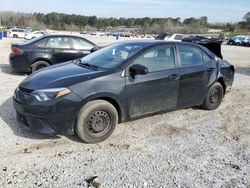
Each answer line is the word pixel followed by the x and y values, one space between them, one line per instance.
pixel 52 50
pixel 174 76
pixel 211 69
pixel 80 52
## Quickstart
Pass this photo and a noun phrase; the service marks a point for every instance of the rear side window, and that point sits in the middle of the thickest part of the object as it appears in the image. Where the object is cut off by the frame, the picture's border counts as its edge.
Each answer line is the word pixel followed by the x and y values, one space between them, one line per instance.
pixel 14 30
pixel 206 58
pixel 81 44
pixel 58 42
pixel 42 43
pixel 190 55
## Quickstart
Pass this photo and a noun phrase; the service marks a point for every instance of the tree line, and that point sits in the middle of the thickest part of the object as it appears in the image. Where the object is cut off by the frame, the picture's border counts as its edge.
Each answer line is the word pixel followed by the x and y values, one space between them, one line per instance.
pixel 60 21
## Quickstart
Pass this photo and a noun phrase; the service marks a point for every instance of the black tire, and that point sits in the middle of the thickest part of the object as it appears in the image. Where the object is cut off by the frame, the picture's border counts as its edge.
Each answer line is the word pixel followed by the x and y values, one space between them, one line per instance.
pixel 96 121
pixel 39 65
pixel 15 36
pixel 214 97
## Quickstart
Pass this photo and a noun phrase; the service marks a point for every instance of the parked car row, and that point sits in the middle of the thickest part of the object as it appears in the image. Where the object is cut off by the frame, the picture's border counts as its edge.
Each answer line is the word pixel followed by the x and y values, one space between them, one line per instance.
pixel 25 33
pixel 239 41
pixel 88 96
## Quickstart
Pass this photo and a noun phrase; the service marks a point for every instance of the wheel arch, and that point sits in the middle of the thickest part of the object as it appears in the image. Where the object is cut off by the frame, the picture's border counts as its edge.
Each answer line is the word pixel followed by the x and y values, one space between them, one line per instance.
pixel 222 82
pixel 115 104
pixel 41 59
pixel 112 99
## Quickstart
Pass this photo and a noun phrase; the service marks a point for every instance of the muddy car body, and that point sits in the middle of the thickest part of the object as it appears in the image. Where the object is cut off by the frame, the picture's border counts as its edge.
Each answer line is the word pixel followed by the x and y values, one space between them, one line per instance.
pixel 118 83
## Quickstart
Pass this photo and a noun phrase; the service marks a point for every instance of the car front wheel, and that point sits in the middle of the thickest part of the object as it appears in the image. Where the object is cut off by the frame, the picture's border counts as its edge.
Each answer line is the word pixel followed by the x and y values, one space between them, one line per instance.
pixel 214 97
pixel 96 121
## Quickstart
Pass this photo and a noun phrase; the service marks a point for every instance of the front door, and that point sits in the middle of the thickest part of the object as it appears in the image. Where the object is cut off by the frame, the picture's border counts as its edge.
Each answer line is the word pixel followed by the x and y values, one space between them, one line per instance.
pixel 158 90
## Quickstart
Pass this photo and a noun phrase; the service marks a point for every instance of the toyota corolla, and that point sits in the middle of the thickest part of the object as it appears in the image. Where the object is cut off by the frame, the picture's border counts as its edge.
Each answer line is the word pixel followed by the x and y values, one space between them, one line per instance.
pixel 118 83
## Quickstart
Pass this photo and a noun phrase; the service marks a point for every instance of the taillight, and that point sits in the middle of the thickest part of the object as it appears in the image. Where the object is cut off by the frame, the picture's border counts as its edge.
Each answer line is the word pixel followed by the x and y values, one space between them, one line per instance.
pixel 16 50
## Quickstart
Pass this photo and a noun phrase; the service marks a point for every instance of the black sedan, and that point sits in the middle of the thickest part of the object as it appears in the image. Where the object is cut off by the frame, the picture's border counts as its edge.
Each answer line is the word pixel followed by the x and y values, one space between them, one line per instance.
pixel 118 83
pixel 48 50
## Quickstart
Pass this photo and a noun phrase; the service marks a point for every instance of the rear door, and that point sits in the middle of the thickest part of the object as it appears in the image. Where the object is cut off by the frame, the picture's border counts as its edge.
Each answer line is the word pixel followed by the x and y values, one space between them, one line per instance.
pixel 60 49
pixel 158 90
pixel 197 72
pixel 81 46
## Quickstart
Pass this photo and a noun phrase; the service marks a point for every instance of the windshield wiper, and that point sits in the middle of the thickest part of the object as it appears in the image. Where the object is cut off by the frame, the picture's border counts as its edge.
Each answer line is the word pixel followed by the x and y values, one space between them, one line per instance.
pixel 79 61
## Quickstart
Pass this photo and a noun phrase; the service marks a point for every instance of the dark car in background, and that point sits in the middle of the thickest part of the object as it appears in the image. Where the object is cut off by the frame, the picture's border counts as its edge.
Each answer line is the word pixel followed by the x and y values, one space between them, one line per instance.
pixel 118 83
pixel 48 50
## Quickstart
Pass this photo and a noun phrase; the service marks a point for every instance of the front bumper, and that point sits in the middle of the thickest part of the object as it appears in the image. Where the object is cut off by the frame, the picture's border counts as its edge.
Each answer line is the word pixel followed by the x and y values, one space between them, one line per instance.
pixel 50 117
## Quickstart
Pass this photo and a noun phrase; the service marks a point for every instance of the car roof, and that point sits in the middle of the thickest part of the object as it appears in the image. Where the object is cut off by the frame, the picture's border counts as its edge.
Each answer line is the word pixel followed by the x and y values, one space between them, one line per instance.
pixel 62 35
pixel 65 35
pixel 155 42
pixel 150 43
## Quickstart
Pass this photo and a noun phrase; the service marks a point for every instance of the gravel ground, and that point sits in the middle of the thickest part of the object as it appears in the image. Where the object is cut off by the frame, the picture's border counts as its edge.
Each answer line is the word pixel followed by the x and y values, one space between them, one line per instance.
pixel 185 148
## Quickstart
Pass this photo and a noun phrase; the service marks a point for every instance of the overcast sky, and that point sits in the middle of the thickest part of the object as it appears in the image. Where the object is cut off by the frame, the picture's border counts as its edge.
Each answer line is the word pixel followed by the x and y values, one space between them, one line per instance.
pixel 216 10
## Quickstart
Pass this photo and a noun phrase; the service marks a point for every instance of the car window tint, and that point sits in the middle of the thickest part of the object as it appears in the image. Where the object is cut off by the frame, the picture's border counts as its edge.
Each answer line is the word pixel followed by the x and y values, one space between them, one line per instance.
pixel 42 43
pixel 58 42
pixel 206 58
pixel 190 55
pixel 81 44
pixel 157 59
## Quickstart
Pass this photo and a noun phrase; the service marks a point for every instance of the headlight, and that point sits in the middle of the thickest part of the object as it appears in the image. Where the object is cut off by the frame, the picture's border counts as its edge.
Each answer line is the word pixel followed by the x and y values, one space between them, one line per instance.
pixel 48 94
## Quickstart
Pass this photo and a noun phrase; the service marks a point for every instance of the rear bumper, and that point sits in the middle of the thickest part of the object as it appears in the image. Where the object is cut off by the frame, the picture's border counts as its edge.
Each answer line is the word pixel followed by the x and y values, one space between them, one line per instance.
pixel 53 117
pixel 19 63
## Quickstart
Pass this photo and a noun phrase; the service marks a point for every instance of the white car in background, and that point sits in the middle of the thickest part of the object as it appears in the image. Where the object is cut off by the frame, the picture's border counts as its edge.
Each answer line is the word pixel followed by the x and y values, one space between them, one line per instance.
pixel 171 37
pixel 18 32
pixel 34 34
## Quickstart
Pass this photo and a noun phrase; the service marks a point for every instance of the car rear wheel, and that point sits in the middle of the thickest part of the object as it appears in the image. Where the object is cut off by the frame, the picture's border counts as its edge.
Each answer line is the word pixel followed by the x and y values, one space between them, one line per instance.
pixel 96 121
pixel 214 97
pixel 15 36
pixel 39 65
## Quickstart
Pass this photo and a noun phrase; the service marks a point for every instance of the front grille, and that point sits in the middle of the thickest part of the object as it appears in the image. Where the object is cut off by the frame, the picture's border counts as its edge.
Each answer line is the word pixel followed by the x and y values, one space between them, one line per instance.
pixel 25 90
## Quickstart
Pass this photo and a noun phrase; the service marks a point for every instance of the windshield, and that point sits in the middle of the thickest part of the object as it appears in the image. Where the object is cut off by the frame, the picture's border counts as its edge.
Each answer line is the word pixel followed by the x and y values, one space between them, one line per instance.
pixel 113 56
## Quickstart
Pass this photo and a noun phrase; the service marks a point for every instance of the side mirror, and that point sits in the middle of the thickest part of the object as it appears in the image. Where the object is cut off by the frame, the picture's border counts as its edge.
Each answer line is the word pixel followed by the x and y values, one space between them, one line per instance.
pixel 138 70
pixel 95 48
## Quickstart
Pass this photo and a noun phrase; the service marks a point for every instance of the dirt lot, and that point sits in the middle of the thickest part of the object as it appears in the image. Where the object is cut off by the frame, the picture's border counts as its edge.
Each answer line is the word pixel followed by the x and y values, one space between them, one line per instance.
pixel 186 148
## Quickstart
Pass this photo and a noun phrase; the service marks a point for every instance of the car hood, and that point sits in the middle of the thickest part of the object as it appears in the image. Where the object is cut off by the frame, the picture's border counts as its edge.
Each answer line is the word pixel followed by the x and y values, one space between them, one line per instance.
pixel 62 75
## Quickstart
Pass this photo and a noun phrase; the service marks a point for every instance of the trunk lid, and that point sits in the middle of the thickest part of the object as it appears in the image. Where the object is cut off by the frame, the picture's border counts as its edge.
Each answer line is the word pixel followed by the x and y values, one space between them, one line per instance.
pixel 214 45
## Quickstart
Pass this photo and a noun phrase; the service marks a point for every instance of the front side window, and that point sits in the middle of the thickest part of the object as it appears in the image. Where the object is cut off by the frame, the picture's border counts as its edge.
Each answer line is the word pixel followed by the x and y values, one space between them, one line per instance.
pixel 114 55
pixel 81 44
pixel 190 55
pixel 58 42
pixel 157 59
